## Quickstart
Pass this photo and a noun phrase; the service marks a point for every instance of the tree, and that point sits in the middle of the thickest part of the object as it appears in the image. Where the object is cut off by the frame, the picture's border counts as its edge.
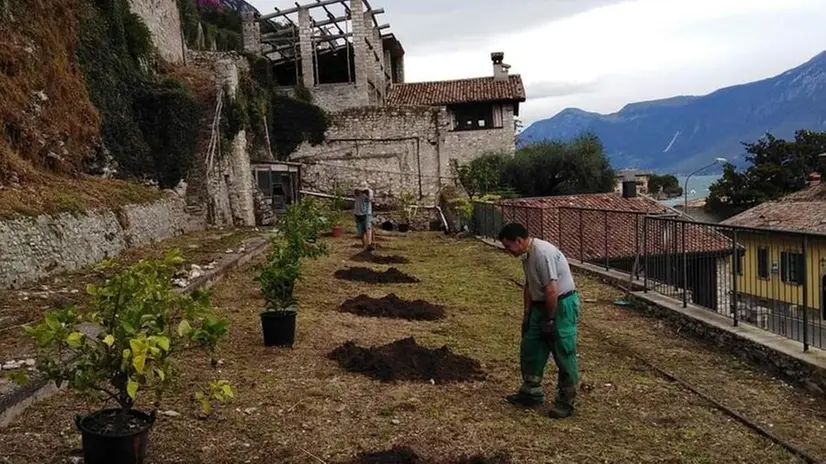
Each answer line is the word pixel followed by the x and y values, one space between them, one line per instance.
pixel 777 167
pixel 559 168
pixel 668 183
pixel 482 175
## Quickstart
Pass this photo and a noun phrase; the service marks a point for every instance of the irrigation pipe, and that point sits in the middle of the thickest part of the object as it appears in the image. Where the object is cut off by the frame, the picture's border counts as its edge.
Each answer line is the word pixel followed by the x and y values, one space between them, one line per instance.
pixel 760 430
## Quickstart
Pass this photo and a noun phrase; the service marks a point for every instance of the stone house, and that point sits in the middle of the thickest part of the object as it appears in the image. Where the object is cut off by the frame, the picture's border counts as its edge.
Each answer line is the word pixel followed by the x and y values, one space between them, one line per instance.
pixel 398 136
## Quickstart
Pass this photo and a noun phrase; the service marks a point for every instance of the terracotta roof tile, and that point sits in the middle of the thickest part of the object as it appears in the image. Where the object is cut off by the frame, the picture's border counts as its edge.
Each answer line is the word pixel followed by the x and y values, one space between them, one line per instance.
pixel 611 225
pixel 437 93
pixel 803 211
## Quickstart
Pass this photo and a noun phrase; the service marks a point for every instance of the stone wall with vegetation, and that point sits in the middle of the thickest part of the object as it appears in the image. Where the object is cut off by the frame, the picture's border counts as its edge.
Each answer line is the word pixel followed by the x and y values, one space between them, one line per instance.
pixel 38 247
pixel 164 22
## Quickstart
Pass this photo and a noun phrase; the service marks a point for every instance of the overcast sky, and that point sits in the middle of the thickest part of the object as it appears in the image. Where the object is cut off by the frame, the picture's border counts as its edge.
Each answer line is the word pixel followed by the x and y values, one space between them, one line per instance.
pixel 598 55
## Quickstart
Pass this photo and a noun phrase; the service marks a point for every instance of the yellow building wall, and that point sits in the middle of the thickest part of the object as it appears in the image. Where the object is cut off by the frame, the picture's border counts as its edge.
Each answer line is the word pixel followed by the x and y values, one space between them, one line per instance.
pixel 773 288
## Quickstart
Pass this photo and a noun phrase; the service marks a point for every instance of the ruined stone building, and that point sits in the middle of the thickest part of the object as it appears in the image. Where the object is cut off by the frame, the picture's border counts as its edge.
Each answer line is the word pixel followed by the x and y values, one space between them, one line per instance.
pixel 399 136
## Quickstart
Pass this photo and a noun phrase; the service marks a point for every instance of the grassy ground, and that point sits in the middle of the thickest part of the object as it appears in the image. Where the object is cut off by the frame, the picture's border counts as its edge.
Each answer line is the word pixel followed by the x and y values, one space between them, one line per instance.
pixel 296 406
pixel 27 305
pixel 43 193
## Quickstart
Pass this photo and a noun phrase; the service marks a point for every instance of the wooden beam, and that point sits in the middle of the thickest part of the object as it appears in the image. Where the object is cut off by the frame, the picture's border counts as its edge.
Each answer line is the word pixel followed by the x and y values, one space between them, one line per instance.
pixel 288 11
pixel 319 24
pixel 332 37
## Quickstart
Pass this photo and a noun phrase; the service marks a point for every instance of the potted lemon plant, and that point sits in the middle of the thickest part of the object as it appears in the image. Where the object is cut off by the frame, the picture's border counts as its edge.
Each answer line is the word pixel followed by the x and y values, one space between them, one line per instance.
pixel 124 347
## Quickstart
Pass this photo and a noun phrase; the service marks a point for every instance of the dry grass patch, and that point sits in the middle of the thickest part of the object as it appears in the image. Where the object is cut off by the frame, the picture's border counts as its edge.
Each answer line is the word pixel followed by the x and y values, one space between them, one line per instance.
pixel 791 413
pixel 295 403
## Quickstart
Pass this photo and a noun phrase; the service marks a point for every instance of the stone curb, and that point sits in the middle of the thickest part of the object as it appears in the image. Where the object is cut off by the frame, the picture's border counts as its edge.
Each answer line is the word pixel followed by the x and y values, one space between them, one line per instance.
pixel 12 404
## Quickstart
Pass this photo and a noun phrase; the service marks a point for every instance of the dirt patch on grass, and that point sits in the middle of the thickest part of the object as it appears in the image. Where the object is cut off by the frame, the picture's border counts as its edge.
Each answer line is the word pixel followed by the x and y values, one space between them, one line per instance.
pixel 406 455
pixel 391 306
pixel 367 257
pixel 407 360
pixel 364 274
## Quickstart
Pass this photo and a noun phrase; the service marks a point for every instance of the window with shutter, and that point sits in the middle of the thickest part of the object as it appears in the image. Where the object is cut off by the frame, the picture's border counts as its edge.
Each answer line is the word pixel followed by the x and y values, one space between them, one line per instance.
pixel 763 263
pixel 792 267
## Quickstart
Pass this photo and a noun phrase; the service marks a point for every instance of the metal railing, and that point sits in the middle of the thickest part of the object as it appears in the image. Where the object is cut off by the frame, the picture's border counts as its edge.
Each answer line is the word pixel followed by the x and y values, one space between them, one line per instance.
pixel 774 280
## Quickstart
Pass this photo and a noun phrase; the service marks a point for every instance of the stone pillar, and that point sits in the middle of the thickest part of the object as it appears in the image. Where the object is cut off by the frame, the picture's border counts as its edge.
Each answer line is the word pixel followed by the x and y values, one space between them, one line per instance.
pixel 381 80
pixel 398 68
pixel 388 65
pixel 371 57
pixel 306 45
pixel 251 33
pixel 360 51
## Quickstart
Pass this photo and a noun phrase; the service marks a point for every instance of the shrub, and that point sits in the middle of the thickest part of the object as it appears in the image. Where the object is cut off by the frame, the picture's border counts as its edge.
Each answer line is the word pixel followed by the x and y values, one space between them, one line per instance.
pixel 166 114
pixel 144 324
pixel 293 122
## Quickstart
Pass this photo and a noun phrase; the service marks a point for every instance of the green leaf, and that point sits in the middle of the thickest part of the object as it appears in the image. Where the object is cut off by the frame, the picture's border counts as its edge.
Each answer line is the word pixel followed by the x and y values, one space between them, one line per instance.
pixel 160 373
pixel 132 388
pixel 109 340
pixel 53 322
pixel 139 361
pixel 126 353
pixel 75 339
pixel 163 342
pixel 129 328
pixel 184 328
pixel 227 389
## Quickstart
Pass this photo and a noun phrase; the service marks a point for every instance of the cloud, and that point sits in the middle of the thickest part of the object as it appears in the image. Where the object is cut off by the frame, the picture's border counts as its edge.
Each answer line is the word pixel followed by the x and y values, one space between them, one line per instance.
pixel 425 26
pixel 548 89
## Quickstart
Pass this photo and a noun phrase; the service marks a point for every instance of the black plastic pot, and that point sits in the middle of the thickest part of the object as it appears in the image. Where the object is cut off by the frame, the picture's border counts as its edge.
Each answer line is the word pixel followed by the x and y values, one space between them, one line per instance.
pixel 278 327
pixel 127 448
pixel 404 227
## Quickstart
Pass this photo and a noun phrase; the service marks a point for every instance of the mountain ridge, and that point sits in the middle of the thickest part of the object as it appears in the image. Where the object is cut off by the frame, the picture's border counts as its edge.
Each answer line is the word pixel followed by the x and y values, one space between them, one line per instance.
pixel 680 133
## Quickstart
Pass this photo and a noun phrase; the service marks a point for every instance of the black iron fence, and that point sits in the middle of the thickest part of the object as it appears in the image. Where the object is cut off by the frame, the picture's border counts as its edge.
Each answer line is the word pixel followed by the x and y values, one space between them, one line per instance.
pixel 766 278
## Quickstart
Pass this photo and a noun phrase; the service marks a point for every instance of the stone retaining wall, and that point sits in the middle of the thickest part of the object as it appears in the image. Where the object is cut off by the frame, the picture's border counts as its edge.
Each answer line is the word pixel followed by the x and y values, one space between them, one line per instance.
pixel 38 247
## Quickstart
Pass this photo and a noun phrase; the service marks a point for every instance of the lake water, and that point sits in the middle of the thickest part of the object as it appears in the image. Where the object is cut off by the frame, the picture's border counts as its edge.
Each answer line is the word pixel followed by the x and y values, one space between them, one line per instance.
pixel 697 188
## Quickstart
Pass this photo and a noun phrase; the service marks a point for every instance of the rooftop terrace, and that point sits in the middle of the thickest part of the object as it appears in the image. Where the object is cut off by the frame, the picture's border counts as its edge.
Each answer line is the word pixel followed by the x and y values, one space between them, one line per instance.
pixel 298 406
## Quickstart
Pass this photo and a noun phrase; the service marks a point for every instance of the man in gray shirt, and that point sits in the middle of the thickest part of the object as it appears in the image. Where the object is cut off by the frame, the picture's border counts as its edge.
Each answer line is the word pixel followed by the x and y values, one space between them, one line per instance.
pixel 549 323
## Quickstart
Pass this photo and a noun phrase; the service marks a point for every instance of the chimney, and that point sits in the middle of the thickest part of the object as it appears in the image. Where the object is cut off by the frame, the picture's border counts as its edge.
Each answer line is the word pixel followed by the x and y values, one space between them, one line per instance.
pixel 814 179
pixel 500 69
pixel 629 184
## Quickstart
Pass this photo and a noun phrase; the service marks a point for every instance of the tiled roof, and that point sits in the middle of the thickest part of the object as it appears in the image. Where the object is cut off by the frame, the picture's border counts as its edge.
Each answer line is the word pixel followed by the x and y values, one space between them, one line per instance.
pixel 437 93
pixel 611 225
pixel 803 211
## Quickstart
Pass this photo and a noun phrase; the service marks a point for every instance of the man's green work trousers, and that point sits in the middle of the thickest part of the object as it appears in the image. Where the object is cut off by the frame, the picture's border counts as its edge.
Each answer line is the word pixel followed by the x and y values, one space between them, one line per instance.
pixel 535 350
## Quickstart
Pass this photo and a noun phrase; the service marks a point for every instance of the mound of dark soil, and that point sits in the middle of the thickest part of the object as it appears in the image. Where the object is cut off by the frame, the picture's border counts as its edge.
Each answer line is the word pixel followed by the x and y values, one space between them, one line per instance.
pixel 365 274
pixel 397 455
pixel 405 455
pixel 376 245
pixel 394 307
pixel 367 257
pixel 407 360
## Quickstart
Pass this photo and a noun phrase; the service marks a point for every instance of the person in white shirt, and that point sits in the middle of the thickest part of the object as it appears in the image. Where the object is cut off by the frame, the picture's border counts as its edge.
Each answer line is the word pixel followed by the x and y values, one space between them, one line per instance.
pixel 363 212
